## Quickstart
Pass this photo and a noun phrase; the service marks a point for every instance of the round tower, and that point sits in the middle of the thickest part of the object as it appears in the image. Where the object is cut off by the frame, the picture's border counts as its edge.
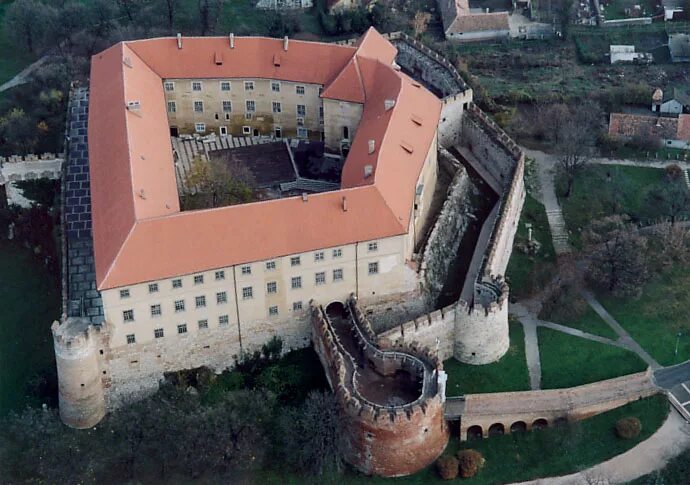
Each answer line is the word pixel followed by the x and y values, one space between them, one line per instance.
pixel 82 400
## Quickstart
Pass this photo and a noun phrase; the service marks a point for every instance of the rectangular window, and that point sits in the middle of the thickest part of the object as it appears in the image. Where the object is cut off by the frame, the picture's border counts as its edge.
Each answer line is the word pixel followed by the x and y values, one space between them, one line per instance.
pixel 296 306
pixel 200 301
pixel 295 261
pixel 320 278
pixel 220 275
pixel 227 106
pixel 128 315
pixel 275 86
pixel 196 85
pixel 223 320
pixel 200 127
pixel 203 324
pixel 172 107
pixel 246 270
pixel 271 287
pixel 158 333
pixel 177 283
pixel 247 116
pixel 300 121
pixel 373 246
pixel 225 85
pixel 278 132
pixel 199 279
pixel 302 132
pixel 337 275
pixel 250 105
pixel 249 85
pixel 198 106
pixel 131 339
pixel 153 287
pixel 272 311
pixel 169 86
pixel 296 282
pixel 321 112
pixel 276 107
pixel 156 310
pixel 374 268
pixel 299 89
pixel 221 297
pixel 270 265
pixel 337 253
pixel 247 293
pixel 179 305
pixel 124 293
pixel 318 256
pixel 246 130
pixel 301 110
pixel 182 328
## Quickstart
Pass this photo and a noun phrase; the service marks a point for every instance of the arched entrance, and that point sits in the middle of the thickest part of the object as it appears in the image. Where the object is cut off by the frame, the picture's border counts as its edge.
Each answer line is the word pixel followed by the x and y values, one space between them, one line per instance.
pixel 335 309
pixel 475 433
pixel 496 429
pixel 540 424
pixel 518 427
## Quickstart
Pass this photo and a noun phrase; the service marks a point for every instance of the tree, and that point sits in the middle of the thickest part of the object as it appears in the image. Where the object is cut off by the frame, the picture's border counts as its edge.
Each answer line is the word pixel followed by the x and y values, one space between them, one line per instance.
pixel 27 22
pixel 617 255
pixel 171 10
pixel 209 13
pixel 218 183
pixel 574 140
pixel 18 131
pixel 669 199
pixel 420 22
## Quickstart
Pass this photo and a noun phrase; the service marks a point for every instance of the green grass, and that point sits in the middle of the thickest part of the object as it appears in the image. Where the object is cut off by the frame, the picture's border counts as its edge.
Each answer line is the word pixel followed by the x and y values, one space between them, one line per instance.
pixel 568 361
pixel 31 301
pixel 12 60
pixel 508 374
pixel 589 322
pixel 243 18
pixel 655 318
pixel 595 195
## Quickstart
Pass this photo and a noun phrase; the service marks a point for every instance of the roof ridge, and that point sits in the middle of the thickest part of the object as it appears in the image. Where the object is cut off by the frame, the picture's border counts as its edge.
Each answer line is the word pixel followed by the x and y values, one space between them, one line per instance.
pixel 99 284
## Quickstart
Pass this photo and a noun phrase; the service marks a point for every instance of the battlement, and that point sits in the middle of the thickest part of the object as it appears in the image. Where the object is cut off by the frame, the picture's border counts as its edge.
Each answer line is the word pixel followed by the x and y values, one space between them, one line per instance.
pixel 497 134
pixel 31 157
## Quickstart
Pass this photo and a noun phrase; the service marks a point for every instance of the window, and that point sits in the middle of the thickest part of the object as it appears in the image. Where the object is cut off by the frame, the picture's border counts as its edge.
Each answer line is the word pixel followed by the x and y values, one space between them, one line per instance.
pixel 128 315
pixel 220 275
pixel 177 283
pixel 156 310
pixel 302 132
pixel 124 293
pixel 227 116
pixel 182 328
pixel 296 282
pixel 200 127
pixel 158 333
pixel 300 121
pixel 276 107
pixel 272 311
pixel 250 105
pixel 337 253
pixel 223 320
pixel 271 287
pixel 200 301
pixel 373 246
pixel 246 130
pixel 373 268
pixel 249 85
pixel 346 133
pixel 172 107
pixel 278 132
pixel 299 89
pixel 227 106
pixel 246 270
pixel 296 306
pixel 275 86
pixel 337 275
pixel 247 293
pixel 169 86
pixel 196 85
pixel 248 116
pixel 131 339
pixel 179 305
pixel 221 297
pixel 225 85
pixel 203 324
pixel 318 256
pixel 321 112
pixel 270 265
pixel 320 278
pixel 294 261
pixel 198 106
pixel 301 110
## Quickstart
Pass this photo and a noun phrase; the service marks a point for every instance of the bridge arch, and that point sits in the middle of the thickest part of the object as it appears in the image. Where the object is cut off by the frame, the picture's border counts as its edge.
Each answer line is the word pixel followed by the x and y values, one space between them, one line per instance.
pixel 540 423
pixel 475 432
pixel 497 429
pixel 335 309
pixel 518 427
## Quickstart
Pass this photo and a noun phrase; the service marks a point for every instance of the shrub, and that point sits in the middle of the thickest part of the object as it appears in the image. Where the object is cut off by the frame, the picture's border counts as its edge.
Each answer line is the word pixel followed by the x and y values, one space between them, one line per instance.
pixel 471 461
pixel 628 428
pixel 673 172
pixel 447 467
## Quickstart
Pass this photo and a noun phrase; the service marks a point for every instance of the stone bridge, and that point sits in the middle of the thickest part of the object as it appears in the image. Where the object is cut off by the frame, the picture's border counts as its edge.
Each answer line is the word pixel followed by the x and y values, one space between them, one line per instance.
pixel 30 167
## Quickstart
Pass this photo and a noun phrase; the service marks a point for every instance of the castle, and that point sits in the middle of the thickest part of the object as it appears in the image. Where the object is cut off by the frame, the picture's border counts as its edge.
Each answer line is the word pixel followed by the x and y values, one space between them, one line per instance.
pixel 150 288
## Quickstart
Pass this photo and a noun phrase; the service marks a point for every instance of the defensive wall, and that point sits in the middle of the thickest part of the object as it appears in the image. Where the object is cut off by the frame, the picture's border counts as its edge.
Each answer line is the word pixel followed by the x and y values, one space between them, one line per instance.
pixel 28 167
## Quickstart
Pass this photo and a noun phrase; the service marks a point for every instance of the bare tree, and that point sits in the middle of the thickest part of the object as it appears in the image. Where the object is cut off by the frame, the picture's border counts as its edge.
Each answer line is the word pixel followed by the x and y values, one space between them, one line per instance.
pixel 574 141
pixel 669 199
pixel 420 22
pixel 27 22
pixel 171 9
pixel 218 182
pixel 209 13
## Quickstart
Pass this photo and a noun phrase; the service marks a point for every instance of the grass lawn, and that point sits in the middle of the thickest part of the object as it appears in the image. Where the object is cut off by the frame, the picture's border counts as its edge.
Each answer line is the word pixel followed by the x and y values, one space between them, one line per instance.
pixel 594 195
pixel 243 18
pixel 526 271
pixel 568 361
pixel 31 301
pixel 508 374
pixel 12 60
pixel 589 322
pixel 655 319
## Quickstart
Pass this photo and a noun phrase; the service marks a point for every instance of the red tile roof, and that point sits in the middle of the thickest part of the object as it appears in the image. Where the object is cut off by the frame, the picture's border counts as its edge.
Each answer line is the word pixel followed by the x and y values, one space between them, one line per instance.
pixel 139 232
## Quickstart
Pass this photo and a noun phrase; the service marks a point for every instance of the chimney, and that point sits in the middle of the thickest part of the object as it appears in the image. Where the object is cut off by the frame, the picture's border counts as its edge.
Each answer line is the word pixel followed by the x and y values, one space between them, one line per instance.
pixel 127 61
pixel 368 170
pixel 305 197
pixel 389 103
pixel 134 106
pixel 179 40
pixel 285 43
pixel 344 204
pixel 232 41
pixel 372 146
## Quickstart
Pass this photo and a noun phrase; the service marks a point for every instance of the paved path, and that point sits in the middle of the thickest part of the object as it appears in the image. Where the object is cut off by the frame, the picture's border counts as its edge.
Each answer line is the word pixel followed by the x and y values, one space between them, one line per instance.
pixel 23 76
pixel 676 381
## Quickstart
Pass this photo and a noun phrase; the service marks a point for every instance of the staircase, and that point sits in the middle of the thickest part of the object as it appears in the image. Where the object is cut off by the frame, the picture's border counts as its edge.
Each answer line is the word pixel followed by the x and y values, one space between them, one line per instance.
pixel 687 178
pixel 559 232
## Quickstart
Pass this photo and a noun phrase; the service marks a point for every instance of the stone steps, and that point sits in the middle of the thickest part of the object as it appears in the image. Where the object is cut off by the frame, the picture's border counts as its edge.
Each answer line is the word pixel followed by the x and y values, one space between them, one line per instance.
pixel 559 231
